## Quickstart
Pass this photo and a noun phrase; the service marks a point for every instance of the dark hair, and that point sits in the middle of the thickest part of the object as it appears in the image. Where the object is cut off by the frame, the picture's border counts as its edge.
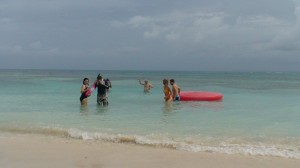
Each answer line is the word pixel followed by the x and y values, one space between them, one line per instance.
pixel 165 81
pixel 172 80
pixel 99 77
pixel 84 80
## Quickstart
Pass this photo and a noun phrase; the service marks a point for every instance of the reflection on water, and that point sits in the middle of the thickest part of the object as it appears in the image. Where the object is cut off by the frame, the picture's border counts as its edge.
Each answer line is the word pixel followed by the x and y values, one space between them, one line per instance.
pixel 84 110
pixel 101 109
pixel 170 107
pixel 167 108
pixel 215 106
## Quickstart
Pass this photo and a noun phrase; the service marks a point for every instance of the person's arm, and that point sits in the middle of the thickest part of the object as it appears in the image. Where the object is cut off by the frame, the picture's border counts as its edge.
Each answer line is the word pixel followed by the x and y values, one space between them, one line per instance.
pixel 173 92
pixel 103 84
pixel 170 93
pixel 84 89
pixel 107 87
pixel 141 82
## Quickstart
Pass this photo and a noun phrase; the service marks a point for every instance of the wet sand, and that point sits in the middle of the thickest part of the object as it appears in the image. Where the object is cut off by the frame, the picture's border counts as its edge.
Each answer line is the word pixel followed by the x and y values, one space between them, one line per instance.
pixel 36 151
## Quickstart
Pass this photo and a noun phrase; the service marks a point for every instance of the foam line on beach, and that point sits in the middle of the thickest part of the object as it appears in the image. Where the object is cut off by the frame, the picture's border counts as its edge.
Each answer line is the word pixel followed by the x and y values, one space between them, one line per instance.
pixel 51 131
pixel 278 150
pixel 161 141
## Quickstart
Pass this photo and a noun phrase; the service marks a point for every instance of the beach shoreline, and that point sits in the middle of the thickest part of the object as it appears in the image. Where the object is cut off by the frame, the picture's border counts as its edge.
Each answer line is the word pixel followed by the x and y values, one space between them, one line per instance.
pixel 35 151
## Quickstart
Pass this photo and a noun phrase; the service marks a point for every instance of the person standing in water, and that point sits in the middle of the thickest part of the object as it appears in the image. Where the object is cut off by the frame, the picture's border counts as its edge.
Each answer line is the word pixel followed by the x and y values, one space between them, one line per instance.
pixel 167 91
pixel 147 85
pixel 175 90
pixel 84 89
pixel 102 89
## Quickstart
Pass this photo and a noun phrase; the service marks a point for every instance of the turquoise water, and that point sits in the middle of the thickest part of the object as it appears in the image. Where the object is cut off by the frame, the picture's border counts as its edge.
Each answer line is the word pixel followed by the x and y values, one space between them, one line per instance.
pixel 259 114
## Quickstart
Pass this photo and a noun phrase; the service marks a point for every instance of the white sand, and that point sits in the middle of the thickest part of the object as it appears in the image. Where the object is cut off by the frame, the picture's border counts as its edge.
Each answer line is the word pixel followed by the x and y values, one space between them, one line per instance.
pixel 35 151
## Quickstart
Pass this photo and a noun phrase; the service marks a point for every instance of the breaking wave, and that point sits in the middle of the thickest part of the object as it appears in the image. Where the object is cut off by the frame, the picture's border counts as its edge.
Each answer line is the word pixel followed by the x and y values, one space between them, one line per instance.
pixel 226 146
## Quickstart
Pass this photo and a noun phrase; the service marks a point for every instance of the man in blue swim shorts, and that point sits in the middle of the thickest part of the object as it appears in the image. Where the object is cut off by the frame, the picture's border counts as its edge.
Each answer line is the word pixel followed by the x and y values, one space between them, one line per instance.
pixel 175 90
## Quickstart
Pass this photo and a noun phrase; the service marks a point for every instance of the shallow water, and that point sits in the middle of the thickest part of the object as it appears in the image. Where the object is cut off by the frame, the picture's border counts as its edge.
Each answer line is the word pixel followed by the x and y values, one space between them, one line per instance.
pixel 259 114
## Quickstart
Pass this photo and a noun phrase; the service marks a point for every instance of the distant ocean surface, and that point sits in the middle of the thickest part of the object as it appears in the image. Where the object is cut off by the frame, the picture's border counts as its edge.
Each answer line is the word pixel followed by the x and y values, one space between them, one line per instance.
pixel 259 114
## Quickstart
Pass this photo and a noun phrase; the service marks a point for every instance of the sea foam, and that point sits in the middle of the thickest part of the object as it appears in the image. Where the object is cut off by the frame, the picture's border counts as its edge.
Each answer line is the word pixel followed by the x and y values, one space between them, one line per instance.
pixel 277 150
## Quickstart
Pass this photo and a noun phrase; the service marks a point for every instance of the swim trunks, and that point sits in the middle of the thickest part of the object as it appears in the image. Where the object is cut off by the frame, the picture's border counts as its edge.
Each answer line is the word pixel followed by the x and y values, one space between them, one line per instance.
pixel 177 98
pixel 102 99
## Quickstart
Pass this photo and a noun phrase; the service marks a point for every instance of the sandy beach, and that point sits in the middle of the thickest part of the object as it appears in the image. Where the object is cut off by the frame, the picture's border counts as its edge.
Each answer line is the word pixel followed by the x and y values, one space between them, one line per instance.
pixel 36 151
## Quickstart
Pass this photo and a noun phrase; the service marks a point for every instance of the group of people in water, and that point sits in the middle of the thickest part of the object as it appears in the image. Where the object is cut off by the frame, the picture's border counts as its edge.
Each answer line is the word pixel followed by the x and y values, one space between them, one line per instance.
pixel 171 95
pixel 103 86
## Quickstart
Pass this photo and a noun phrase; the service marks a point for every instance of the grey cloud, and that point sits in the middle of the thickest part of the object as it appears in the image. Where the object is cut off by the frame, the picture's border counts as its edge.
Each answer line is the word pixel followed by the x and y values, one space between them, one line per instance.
pixel 132 34
pixel 289 38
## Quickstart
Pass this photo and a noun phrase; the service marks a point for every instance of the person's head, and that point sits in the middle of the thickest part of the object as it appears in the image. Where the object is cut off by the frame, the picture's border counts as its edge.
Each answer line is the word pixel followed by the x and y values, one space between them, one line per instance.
pixel 99 77
pixel 165 82
pixel 146 82
pixel 172 81
pixel 85 81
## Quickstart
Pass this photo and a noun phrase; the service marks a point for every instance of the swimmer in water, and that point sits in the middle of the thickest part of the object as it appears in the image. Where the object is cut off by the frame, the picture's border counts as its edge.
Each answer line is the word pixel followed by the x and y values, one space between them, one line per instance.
pixel 167 91
pixel 84 89
pixel 147 85
pixel 175 90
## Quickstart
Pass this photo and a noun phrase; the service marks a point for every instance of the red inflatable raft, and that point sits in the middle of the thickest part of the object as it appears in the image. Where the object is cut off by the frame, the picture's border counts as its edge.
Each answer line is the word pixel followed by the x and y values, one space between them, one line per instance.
pixel 200 96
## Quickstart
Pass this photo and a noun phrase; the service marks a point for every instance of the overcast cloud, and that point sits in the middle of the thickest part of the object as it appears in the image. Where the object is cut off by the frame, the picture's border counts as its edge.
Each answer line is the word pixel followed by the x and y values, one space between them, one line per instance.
pixel 251 35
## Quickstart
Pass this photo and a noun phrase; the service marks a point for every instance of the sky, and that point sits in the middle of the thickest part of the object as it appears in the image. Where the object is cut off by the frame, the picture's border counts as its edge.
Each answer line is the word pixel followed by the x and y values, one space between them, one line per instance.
pixel 197 35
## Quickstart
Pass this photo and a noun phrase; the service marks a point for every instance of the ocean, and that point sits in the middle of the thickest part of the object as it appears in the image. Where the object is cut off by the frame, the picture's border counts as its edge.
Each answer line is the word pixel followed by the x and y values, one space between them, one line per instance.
pixel 259 113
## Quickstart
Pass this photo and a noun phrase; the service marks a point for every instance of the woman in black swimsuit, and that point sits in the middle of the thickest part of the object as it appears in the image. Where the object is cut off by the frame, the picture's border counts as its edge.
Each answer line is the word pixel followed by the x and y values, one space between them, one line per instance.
pixel 84 89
